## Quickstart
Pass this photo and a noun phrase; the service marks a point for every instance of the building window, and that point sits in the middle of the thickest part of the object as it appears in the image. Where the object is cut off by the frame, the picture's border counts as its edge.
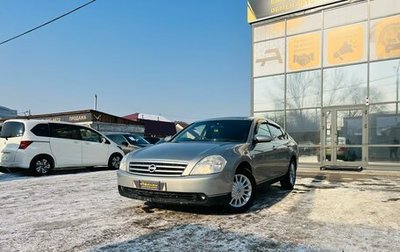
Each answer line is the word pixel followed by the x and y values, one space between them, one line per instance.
pixel 384 39
pixel 345 85
pixel 303 90
pixel 269 31
pixel 304 24
pixel 384 124
pixel 276 116
pixel 269 93
pixel 304 127
pixel 304 52
pixel 381 8
pixel 346 44
pixel 384 81
pixel 346 15
pixel 269 57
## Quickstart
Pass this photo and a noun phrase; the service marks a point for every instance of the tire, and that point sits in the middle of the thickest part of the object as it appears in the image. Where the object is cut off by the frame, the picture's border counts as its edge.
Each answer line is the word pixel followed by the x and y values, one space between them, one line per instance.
pixel 114 161
pixel 41 165
pixel 242 194
pixel 289 179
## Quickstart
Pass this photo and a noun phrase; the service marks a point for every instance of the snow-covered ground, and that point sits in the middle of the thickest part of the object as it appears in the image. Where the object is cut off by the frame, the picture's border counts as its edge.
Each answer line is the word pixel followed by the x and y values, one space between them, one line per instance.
pixel 84 212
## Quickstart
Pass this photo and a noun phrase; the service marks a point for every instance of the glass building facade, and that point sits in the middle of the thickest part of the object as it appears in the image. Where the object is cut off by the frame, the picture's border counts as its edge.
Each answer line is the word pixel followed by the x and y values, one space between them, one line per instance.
pixel 330 76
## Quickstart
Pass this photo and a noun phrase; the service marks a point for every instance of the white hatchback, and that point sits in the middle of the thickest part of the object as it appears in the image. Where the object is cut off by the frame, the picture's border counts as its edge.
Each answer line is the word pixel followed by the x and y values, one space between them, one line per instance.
pixel 42 146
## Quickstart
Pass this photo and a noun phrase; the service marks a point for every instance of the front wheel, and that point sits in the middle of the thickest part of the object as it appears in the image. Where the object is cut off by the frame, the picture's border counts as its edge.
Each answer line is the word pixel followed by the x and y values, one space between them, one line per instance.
pixel 114 161
pixel 41 165
pixel 289 179
pixel 242 194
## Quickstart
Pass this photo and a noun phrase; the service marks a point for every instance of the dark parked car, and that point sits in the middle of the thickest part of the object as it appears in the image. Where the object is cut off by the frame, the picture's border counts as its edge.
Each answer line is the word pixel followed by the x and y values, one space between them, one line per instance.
pixel 128 142
pixel 152 140
pixel 216 161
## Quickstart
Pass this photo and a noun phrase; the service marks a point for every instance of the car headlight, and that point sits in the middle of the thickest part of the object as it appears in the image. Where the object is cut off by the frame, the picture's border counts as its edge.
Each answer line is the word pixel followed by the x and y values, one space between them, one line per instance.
pixel 123 165
pixel 209 165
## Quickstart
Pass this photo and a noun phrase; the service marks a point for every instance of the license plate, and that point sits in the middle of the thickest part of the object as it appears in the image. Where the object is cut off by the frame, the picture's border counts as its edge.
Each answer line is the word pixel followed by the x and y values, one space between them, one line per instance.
pixel 151 185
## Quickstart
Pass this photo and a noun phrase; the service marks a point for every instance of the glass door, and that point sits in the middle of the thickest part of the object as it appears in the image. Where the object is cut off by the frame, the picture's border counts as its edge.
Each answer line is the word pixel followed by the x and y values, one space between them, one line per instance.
pixel 343 136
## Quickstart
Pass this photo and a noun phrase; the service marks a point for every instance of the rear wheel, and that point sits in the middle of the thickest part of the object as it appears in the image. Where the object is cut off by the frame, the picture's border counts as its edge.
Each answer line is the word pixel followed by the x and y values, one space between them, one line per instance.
pixel 242 194
pixel 114 161
pixel 41 165
pixel 289 179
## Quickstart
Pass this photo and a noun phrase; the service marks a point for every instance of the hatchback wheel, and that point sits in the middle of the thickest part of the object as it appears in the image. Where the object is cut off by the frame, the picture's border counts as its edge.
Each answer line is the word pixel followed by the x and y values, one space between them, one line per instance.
pixel 242 194
pixel 289 179
pixel 41 165
pixel 114 161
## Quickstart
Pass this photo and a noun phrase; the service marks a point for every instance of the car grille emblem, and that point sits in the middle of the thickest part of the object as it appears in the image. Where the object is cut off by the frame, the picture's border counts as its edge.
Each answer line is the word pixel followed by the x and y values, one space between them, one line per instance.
pixel 152 168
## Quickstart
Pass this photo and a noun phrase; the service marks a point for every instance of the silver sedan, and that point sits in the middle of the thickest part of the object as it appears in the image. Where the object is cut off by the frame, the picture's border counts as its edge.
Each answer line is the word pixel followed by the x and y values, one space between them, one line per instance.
pixel 216 161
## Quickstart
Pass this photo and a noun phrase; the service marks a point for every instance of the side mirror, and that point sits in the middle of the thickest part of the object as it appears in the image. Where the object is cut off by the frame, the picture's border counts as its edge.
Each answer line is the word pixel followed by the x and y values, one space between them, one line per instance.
pixel 167 138
pixel 262 139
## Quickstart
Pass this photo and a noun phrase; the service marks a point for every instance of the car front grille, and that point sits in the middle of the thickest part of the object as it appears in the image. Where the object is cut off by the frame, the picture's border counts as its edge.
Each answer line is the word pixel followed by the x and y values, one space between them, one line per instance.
pixel 154 168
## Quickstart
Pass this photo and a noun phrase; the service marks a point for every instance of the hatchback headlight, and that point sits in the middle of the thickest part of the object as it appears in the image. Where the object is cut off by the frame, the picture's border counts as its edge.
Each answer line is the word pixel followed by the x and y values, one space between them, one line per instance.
pixel 123 165
pixel 209 165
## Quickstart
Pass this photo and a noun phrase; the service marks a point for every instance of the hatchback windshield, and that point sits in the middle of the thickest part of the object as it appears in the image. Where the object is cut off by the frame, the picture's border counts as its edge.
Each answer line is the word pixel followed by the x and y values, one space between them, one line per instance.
pixel 12 129
pixel 216 131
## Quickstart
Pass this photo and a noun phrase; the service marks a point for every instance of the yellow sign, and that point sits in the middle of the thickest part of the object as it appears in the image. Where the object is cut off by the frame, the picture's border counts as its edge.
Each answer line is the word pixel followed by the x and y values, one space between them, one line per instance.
pixel 304 51
pixel 387 38
pixel 346 44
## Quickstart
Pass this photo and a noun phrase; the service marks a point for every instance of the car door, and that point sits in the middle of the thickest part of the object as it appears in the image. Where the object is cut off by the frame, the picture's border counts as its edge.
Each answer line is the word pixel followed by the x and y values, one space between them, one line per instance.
pixel 65 144
pixel 281 149
pixel 262 153
pixel 95 151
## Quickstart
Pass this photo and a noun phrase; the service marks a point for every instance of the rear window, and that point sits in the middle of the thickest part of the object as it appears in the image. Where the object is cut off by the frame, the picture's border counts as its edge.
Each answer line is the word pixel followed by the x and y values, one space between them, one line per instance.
pixel 41 129
pixel 12 129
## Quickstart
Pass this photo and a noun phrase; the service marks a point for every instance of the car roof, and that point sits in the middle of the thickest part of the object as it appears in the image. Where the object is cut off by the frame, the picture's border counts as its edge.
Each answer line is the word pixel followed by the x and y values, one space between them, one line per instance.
pixel 31 122
pixel 240 118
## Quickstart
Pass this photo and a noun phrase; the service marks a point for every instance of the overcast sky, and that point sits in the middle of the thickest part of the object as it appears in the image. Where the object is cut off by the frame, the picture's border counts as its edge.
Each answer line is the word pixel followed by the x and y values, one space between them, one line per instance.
pixel 185 60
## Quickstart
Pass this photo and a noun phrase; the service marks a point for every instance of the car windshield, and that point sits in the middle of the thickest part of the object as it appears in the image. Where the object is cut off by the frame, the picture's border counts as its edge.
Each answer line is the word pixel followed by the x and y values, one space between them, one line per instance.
pixel 12 129
pixel 215 131
pixel 136 139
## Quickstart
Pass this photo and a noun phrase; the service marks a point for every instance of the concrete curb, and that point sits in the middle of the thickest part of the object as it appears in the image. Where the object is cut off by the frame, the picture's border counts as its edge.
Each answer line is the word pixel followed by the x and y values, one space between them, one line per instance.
pixel 315 171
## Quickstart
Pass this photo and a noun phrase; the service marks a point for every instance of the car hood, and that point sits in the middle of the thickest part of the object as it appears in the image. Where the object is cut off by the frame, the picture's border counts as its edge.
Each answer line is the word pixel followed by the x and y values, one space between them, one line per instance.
pixel 186 151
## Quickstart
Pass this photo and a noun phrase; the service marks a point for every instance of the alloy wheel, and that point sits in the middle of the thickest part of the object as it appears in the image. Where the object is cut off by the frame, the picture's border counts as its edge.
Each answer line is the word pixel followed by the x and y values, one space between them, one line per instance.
pixel 242 191
pixel 116 160
pixel 42 166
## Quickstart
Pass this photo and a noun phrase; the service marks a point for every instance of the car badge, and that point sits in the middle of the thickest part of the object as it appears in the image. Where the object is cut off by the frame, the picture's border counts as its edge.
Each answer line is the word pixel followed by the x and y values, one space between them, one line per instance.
pixel 152 168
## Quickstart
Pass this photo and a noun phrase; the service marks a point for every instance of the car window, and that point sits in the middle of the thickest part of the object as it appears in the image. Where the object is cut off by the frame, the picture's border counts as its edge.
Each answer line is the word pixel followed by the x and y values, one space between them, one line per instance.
pixel 216 131
pixel 118 139
pixel 64 131
pixel 263 130
pixel 90 136
pixel 136 139
pixel 41 129
pixel 12 129
pixel 193 133
pixel 276 131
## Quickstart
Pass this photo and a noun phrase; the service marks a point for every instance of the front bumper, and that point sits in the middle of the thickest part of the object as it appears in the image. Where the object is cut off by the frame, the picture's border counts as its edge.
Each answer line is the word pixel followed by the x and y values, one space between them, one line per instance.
pixel 211 189
pixel 173 197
